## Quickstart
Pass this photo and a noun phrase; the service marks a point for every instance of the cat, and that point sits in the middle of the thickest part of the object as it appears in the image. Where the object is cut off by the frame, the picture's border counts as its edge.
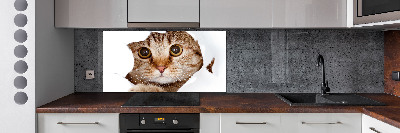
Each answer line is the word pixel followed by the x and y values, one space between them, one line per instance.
pixel 164 62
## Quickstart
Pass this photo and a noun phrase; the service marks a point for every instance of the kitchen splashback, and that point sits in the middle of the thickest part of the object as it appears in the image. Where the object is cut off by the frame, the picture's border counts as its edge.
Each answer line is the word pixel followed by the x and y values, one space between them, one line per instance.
pixel 183 61
pixel 392 44
pixel 264 60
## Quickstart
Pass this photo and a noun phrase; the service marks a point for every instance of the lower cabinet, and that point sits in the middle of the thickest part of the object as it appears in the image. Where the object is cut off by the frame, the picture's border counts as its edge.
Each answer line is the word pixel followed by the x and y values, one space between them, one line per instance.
pixel 281 123
pixel 254 123
pixel 78 123
pixel 321 123
pixel 227 123
pixel 210 122
pixel 372 125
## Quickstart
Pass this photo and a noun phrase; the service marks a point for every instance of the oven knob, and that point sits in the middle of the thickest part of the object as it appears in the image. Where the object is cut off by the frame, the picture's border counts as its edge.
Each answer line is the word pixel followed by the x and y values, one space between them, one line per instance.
pixel 175 121
pixel 143 122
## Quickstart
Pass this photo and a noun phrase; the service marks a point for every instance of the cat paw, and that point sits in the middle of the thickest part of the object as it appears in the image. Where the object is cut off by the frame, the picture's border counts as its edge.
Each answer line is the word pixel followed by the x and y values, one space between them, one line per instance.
pixel 146 88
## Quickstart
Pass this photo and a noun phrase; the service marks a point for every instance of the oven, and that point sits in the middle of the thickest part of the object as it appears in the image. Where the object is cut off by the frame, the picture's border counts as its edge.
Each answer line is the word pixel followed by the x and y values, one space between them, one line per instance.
pixel 374 11
pixel 159 123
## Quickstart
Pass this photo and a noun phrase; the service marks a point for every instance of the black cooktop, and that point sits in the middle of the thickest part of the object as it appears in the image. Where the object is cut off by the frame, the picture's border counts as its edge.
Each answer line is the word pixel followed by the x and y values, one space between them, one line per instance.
pixel 163 99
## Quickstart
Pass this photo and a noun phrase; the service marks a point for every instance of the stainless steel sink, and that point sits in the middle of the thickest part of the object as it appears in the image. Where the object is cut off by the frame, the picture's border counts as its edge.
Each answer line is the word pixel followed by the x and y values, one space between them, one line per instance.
pixel 316 99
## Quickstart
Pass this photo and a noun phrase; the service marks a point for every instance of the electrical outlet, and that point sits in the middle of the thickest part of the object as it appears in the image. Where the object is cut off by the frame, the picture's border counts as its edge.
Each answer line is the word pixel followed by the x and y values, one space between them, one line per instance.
pixel 89 74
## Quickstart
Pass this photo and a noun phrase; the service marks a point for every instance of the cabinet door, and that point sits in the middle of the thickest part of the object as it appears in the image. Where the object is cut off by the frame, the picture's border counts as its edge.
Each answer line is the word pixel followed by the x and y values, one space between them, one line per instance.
pixel 163 11
pixel 78 123
pixel 236 13
pixel 372 125
pixel 209 122
pixel 309 13
pixel 250 123
pixel 321 123
pixel 90 13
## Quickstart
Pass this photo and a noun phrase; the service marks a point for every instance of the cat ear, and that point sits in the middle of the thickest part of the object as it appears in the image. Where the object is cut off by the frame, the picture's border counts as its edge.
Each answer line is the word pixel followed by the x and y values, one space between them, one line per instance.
pixel 132 46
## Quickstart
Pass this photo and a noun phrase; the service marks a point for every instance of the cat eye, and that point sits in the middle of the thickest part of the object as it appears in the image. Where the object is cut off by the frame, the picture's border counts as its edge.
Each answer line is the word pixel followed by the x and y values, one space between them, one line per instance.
pixel 176 50
pixel 144 53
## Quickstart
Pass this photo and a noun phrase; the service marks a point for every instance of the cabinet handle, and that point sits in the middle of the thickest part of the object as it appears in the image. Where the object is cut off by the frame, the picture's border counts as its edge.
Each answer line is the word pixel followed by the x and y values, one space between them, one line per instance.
pixel 251 122
pixel 77 123
pixel 322 123
pixel 373 129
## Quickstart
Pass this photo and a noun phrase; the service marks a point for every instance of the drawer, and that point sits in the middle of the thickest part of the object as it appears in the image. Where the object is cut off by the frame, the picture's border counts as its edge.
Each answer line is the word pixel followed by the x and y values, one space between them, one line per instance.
pixel 250 123
pixel 321 123
pixel 372 125
pixel 78 123
pixel 330 122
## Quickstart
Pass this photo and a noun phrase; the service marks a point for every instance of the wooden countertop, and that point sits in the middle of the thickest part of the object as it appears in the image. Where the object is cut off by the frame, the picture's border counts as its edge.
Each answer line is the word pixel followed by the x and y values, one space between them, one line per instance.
pixel 219 103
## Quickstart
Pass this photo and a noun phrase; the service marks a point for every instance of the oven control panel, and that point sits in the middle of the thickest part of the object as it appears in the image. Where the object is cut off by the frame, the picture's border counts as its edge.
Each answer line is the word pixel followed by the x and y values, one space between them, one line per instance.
pixel 159 121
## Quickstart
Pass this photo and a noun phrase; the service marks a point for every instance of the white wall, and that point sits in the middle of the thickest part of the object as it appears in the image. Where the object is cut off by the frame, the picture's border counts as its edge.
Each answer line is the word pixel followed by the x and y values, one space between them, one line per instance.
pixel 54 56
pixel 50 61
pixel 16 118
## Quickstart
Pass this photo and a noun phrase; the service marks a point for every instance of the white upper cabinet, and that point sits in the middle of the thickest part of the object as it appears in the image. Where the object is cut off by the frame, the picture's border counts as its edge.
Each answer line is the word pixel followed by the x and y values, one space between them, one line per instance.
pixel 236 13
pixel 90 13
pixel 209 13
pixel 309 13
pixel 273 13
pixel 163 11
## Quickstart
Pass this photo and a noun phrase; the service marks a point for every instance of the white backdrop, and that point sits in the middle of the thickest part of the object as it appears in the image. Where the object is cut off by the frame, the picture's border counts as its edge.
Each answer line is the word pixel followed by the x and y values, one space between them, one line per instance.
pixel 116 53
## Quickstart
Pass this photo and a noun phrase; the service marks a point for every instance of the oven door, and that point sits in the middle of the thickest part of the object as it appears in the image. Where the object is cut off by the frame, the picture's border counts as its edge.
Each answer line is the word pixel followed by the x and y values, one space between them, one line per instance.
pixel 164 131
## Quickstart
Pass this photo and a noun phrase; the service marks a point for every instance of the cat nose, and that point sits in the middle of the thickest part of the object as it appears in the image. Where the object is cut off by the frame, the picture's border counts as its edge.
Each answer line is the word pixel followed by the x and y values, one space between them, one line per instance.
pixel 161 68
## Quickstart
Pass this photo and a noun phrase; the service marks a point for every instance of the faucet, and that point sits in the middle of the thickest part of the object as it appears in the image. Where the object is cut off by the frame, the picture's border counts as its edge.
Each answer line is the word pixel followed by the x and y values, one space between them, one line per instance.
pixel 324 85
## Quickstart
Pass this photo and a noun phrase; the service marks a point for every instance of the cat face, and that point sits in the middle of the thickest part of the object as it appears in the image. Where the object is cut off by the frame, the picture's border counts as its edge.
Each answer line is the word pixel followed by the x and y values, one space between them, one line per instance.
pixel 165 58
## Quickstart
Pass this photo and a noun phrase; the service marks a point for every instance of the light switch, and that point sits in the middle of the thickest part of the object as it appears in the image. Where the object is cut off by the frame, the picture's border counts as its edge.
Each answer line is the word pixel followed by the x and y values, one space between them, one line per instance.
pixel 396 75
pixel 89 74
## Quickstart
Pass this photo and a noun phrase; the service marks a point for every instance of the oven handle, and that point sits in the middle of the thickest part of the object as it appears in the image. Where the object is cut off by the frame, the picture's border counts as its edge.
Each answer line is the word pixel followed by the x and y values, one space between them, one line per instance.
pixel 162 131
